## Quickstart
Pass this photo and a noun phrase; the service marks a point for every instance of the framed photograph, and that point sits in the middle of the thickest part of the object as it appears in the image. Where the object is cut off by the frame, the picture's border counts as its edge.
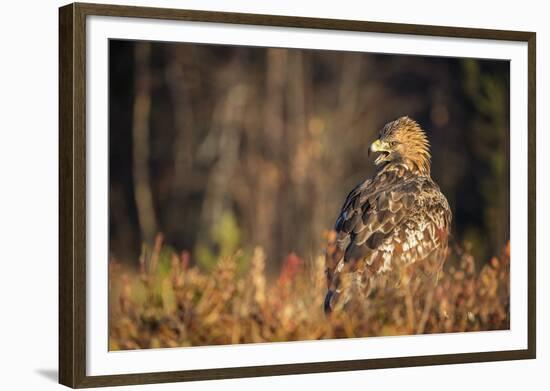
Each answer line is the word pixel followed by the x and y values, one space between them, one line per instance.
pixel 250 195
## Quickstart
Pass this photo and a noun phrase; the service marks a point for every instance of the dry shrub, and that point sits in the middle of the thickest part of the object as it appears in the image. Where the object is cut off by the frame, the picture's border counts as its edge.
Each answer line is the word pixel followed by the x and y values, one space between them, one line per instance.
pixel 167 303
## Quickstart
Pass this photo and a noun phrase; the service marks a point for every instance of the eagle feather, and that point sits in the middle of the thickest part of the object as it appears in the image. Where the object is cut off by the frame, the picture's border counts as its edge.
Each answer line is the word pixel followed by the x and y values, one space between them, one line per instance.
pixel 396 219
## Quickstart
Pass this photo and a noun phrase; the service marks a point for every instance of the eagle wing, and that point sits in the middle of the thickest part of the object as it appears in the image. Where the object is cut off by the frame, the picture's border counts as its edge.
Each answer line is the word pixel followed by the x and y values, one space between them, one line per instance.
pixel 386 220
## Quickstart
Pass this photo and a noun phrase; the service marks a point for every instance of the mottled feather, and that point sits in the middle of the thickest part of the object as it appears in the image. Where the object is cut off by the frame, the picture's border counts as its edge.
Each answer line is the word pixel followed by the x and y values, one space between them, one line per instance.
pixel 397 218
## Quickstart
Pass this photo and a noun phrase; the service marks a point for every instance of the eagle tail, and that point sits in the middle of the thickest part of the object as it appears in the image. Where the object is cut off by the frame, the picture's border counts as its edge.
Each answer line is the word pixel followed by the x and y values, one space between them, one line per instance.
pixel 330 299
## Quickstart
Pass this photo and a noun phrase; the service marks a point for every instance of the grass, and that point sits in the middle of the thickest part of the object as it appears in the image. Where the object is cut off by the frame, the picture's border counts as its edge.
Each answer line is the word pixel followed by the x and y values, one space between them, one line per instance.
pixel 168 303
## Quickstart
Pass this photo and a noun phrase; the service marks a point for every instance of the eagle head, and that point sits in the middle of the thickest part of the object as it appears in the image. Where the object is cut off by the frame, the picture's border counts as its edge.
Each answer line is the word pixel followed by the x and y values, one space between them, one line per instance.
pixel 403 142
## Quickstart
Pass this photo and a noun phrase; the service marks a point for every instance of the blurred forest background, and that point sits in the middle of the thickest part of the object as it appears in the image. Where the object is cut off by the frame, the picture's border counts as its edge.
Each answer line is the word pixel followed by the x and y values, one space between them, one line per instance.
pixel 222 148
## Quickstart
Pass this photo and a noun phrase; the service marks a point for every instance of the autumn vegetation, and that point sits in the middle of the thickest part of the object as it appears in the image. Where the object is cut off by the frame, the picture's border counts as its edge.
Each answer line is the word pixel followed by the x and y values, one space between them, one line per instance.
pixel 167 302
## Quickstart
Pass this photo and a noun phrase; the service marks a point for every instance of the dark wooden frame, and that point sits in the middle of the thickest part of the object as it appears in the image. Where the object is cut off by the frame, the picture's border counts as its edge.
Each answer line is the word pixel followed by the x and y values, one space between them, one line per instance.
pixel 72 194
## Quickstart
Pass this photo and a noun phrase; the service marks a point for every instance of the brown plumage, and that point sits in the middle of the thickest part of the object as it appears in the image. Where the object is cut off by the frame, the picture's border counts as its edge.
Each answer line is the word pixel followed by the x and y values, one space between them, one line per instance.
pixel 391 225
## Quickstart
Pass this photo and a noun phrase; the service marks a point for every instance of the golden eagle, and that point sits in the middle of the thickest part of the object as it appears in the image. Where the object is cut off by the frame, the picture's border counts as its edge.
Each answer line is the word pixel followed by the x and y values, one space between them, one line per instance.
pixel 393 225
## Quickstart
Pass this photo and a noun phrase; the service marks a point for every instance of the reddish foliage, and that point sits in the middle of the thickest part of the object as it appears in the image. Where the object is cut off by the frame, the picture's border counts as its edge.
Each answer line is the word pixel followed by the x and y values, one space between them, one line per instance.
pixel 290 269
pixel 150 307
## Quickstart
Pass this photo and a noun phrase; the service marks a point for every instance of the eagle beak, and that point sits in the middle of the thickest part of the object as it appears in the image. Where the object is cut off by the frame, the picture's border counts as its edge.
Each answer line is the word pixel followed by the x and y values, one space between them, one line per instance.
pixel 379 146
pixel 375 146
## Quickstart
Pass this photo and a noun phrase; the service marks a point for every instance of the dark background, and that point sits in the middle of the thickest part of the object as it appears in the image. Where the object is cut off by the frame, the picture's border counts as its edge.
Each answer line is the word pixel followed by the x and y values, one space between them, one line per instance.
pixel 223 148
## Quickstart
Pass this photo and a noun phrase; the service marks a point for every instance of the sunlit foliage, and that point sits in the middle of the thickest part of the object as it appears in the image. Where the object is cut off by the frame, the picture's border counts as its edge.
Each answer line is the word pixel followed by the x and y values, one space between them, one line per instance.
pixel 171 302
